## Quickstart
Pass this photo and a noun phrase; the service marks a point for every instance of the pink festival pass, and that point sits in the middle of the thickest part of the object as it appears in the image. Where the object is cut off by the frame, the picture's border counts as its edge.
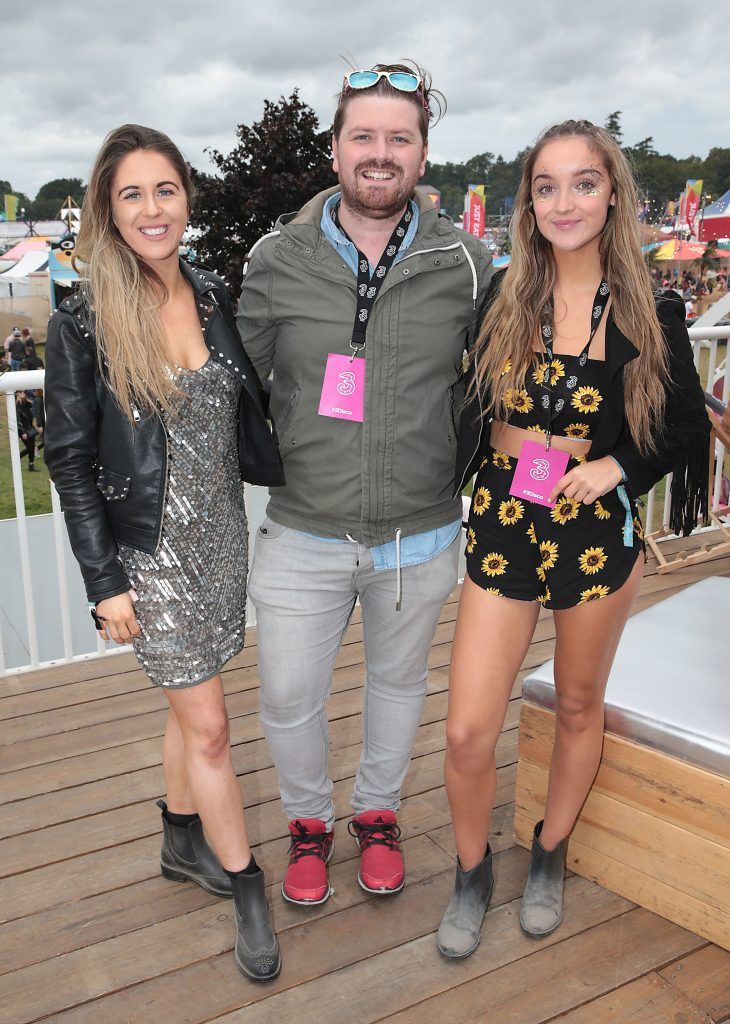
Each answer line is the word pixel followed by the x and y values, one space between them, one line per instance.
pixel 343 388
pixel 537 471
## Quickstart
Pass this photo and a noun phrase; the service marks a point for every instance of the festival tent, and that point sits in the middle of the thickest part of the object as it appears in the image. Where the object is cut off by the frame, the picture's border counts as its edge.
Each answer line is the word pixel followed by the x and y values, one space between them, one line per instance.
pixel 679 251
pixel 34 244
pixel 16 278
pixel 714 221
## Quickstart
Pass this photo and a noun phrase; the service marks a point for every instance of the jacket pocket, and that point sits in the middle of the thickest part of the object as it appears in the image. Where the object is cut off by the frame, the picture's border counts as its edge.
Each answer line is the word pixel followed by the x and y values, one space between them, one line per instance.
pixel 113 486
pixel 284 426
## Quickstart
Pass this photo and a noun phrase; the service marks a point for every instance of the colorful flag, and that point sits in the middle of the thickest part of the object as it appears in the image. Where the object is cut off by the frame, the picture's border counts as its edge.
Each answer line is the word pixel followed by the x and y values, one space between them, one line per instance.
pixel 694 192
pixel 476 210
pixel 11 207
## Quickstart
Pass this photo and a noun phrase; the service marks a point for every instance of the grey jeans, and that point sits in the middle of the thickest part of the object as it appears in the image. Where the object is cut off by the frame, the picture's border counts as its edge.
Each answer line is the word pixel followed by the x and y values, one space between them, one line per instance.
pixel 304 590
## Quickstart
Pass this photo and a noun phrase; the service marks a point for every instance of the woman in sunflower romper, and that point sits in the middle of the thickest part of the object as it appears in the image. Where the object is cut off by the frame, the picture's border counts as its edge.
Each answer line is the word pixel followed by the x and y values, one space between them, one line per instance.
pixel 575 353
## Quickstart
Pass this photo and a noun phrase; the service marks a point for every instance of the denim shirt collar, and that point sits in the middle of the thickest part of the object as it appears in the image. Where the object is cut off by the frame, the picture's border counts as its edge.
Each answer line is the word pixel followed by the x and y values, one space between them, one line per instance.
pixel 342 245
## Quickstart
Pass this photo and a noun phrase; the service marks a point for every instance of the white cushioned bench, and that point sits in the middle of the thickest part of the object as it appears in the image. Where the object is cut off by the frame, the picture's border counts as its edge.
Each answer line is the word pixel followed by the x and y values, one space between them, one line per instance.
pixel 656 826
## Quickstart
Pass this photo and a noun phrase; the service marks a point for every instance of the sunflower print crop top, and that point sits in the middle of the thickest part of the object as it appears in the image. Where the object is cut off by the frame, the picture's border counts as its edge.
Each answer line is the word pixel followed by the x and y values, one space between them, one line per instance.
pixel 577 398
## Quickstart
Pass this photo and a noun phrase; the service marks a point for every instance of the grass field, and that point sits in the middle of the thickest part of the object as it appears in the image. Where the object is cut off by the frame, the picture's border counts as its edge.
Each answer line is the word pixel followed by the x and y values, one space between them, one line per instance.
pixel 35 485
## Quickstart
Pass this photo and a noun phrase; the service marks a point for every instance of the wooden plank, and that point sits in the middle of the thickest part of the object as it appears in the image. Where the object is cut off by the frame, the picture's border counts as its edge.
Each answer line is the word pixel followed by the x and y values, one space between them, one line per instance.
pixel 101 765
pixel 94 970
pixel 501 835
pixel 673 790
pixel 122 864
pixel 649 1000
pixel 675 857
pixel 122 824
pixel 214 986
pixel 414 971
pixel 177 944
pixel 76 741
pixel 704 977
pixel 27 814
pixel 553 981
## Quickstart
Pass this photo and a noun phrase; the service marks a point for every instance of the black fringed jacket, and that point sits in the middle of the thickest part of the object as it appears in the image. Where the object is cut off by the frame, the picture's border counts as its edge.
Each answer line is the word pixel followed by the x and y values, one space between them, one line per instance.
pixel 682 447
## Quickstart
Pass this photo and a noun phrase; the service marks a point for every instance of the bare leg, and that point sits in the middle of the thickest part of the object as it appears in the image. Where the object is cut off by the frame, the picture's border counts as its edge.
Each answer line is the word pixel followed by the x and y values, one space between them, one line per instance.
pixel 179 796
pixel 490 642
pixel 587 638
pixel 203 720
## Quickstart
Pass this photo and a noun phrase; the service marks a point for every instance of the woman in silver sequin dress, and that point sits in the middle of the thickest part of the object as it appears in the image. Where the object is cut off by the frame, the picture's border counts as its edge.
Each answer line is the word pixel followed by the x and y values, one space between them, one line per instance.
pixel 154 420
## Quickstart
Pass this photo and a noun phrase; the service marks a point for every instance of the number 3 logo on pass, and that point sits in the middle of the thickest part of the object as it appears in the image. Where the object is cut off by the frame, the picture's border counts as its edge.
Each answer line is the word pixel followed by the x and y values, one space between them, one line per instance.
pixel 536 473
pixel 343 388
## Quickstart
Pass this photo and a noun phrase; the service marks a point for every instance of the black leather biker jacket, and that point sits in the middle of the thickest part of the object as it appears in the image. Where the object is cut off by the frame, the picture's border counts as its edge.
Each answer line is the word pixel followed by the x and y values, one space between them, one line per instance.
pixel 110 474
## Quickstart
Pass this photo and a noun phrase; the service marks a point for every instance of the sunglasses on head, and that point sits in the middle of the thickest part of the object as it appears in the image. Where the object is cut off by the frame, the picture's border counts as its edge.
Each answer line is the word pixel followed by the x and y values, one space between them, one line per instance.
pixel 403 81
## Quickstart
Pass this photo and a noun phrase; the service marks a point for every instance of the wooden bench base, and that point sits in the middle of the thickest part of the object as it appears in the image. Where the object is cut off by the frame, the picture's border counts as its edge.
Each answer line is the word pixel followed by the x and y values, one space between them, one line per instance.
pixel 654 829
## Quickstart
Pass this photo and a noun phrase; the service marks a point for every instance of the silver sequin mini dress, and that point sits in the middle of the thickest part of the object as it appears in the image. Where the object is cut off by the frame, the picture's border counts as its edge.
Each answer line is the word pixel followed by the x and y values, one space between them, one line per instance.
pixel 192 591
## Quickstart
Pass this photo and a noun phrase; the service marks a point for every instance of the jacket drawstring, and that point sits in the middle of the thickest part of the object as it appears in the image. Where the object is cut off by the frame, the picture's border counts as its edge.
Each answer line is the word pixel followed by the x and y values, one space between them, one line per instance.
pixel 475 280
pixel 398 572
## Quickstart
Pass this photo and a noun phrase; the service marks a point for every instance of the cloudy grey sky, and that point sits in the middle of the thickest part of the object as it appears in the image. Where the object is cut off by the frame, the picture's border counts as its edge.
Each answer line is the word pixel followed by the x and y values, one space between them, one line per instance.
pixel 71 72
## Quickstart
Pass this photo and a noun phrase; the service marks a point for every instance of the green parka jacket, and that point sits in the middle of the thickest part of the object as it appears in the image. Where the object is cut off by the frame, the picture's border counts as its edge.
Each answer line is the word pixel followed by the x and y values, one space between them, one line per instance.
pixel 394 471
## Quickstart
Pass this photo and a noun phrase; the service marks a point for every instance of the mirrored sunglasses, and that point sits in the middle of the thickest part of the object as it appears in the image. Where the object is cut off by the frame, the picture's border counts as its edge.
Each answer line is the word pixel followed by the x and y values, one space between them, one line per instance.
pixel 401 80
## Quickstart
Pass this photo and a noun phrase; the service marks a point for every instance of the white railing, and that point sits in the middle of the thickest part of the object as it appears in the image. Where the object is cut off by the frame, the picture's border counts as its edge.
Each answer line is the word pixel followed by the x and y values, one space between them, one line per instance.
pixel 10 383
pixel 67 610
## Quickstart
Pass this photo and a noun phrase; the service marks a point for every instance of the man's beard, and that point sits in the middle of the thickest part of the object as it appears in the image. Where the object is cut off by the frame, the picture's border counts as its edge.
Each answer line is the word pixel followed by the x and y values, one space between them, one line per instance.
pixel 373 200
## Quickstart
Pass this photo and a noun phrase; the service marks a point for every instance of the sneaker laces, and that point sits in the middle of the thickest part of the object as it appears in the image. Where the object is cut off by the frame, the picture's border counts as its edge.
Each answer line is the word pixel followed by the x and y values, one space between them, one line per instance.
pixel 379 833
pixel 308 844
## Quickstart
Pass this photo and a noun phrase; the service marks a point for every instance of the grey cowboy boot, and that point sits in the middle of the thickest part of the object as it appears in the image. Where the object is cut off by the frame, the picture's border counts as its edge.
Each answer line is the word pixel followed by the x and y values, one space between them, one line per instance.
pixel 186 855
pixel 257 950
pixel 460 930
pixel 542 901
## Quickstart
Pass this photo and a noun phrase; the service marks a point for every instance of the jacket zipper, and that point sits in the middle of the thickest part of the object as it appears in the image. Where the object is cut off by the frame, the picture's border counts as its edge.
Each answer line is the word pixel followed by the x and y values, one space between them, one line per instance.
pixel 479 442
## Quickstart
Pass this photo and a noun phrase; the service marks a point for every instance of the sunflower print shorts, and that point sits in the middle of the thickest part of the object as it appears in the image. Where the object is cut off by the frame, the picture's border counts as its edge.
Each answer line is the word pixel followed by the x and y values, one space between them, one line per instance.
pixel 561 557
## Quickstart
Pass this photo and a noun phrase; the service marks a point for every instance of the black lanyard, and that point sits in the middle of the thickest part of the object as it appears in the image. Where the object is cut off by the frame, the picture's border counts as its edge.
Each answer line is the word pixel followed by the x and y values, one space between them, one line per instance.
pixel 546 329
pixel 367 286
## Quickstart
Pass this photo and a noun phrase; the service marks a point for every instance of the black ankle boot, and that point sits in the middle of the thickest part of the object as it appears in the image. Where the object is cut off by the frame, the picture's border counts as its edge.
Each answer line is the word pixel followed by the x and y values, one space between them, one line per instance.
pixel 186 855
pixel 460 931
pixel 257 950
pixel 542 901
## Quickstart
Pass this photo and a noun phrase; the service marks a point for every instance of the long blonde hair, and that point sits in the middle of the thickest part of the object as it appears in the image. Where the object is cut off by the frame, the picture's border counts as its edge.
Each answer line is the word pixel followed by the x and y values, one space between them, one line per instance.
pixel 122 290
pixel 511 325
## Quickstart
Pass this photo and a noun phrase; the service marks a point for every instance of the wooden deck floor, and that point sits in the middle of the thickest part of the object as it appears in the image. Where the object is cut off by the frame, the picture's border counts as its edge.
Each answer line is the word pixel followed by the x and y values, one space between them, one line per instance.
pixel 91 933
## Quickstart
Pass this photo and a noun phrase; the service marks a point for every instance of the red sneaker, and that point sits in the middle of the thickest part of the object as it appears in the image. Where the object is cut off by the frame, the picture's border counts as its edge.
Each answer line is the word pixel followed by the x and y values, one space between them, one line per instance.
pixel 381 864
pixel 311 847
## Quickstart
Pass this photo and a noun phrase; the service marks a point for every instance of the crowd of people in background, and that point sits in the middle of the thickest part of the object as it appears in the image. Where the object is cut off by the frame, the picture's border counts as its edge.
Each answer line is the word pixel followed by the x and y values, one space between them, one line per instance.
pixel 691 287
pixel 19 353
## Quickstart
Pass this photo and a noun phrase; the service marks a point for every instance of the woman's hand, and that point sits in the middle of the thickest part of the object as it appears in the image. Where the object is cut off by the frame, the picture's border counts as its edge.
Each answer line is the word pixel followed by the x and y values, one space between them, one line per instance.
pixel 589 481
pixel 120 621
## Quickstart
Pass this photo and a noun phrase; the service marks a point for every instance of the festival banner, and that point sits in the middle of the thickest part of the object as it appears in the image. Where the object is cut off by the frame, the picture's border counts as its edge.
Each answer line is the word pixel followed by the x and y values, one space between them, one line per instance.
pixel 11 207
pixel 476 210
pixel 693 192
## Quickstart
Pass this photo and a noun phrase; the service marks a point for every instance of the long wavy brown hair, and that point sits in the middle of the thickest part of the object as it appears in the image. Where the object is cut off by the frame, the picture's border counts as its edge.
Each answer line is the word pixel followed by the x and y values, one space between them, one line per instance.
pixel 122 290
pixel 510 328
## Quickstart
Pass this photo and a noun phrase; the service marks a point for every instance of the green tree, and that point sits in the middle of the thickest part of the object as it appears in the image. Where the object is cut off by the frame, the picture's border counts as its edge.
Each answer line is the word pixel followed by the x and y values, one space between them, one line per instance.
pixel 716 172
pixel 280 162
pixel 613 126
pixel 7 189
pixel 51 196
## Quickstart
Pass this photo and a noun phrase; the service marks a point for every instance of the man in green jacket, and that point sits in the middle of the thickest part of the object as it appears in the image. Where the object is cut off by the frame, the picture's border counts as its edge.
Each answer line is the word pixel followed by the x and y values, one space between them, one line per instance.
pixel 362 304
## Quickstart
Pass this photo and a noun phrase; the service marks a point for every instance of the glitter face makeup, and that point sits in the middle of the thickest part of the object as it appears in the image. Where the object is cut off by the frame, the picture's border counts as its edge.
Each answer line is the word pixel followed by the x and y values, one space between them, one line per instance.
pixel 588 188
pixel 571 193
